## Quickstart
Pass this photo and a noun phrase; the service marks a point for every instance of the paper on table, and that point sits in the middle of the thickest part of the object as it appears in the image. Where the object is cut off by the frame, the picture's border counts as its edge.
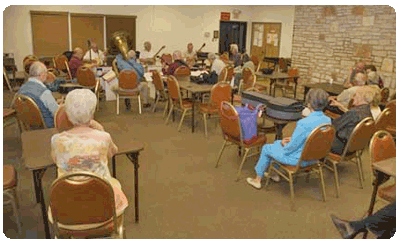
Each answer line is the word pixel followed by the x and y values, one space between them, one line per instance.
pixel 148 76
pixel 197 73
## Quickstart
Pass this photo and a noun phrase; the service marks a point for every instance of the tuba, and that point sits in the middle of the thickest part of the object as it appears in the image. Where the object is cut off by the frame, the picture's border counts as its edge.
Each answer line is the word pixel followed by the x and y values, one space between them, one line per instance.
pixel 120 40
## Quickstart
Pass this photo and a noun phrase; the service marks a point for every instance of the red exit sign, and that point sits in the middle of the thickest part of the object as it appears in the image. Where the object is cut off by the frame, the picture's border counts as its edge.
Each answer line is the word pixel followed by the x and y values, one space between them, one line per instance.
pixel 225 16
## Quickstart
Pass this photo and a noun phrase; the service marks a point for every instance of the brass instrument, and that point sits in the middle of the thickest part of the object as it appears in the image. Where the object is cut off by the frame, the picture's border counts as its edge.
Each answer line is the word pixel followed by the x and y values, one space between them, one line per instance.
pixel 120 40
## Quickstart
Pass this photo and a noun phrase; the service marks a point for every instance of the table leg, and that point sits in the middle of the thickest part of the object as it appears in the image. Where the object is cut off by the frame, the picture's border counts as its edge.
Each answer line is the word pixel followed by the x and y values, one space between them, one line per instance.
pixel 295 87
pixel 305 92
pixel 37 179
pixel 270 86
pixel 193 101
pixel 134 158
pixel 279 128
pixel 379 178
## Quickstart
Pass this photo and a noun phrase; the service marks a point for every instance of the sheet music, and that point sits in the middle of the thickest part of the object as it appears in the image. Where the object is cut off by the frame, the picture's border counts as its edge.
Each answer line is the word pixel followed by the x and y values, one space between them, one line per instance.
pixel 197 73
pixel 148 76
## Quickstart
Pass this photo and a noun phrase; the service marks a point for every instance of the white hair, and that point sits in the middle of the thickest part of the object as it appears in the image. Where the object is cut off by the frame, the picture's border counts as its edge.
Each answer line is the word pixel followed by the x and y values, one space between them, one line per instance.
pixel 211 56
pixel 131 54
pixel 234 48
pixel 80 105
pixel 36 69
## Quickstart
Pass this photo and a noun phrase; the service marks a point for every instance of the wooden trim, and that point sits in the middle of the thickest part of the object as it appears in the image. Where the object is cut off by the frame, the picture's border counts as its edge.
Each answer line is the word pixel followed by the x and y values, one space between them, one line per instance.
pixel 121 16
pixel 87 15
pixel 48 13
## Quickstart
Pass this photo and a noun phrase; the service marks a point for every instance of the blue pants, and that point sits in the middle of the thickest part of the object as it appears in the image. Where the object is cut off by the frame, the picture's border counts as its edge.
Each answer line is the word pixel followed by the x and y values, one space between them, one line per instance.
pixel 272 151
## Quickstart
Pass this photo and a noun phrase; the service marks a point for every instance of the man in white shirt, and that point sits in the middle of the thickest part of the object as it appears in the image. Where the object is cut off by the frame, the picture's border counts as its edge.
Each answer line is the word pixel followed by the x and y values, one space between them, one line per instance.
pixel 147 56
pixel 94 54
pixel 190 55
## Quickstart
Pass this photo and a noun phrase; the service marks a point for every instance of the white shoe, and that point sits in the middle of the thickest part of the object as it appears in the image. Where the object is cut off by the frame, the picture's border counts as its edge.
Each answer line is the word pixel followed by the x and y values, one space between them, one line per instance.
pixel 254 183
pixel 275 177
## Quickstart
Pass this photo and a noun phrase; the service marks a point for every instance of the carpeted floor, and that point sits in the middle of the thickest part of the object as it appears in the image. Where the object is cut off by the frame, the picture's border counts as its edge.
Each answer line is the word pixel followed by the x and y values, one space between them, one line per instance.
pixel 183 195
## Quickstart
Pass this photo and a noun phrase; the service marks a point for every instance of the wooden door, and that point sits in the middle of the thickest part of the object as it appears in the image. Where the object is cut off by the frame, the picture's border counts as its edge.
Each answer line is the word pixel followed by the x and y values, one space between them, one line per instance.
pixel 265 40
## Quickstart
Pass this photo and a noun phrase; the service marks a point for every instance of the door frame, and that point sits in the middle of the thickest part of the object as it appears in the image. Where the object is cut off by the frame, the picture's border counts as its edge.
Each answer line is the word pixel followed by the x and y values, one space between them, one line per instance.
pixel 231 21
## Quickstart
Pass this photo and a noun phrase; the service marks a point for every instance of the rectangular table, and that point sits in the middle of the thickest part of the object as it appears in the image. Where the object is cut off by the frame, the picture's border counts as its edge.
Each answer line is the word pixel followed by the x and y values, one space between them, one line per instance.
pixel 331 89
pixel 37 158
pixel 275 77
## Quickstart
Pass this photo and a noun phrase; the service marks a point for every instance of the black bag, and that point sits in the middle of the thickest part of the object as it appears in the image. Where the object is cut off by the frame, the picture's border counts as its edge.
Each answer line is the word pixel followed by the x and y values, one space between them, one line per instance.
pixel 284 108
pixel 205 78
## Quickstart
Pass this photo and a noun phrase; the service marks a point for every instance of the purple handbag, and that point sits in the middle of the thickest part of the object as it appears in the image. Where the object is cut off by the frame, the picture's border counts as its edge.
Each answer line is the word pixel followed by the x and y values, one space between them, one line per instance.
pixel 248 121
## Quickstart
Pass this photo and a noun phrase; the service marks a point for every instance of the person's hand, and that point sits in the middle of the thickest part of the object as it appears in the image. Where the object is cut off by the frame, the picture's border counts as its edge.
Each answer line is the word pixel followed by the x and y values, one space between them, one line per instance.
pixel 60 101
pixel 95 125
pixel 285 141
pixel 331 98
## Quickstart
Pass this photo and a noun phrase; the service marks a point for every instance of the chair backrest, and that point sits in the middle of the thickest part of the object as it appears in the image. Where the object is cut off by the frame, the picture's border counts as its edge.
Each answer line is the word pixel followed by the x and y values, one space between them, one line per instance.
pixel 382 146
pixel 249 82
pixel 255 60
pixel 158 83
pixel 115 67
pixel 230 122
pixel 292 71
pixel 246 73
pixel 68 70
pixel 127 79
pixel 28 112
pixel 360 136
pixel 385 95
pixel 5 75
pixel 220 92
pixel 182 73
pixel 166 58
pixel 222 76
pixel 391 104
pixel 230 73
pixel 318 143
pixel 225 57
pixel 61 121
pixel 85 199
pixel 174 90
pixel 85 76
pixel 60 62
pixel 385 119
pixel 28 60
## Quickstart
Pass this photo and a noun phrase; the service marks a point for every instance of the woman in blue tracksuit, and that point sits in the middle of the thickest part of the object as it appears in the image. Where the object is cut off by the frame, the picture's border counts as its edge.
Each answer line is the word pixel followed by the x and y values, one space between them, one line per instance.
pixel 288 150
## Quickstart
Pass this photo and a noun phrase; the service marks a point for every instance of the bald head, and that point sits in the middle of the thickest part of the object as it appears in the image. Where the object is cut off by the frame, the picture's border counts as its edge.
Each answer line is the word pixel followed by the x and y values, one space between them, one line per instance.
pixel 38 70
pixel 78 52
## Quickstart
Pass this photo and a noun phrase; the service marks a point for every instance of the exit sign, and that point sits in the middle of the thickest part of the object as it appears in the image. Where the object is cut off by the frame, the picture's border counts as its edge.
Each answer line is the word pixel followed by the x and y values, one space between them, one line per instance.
pixel 225 16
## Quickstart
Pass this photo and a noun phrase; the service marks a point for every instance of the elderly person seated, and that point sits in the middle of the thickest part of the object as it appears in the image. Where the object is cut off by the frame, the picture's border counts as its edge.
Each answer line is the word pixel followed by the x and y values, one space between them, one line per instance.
pixel 288 150
pixel 345 124
pixel 178 61
pixel 94 55
pixel 343 99
pixel 247 63
pixel 76 61
pixel 37 90
pixel 131 64
pixel 236 56
pixel 216 64
pixel 373 76
pixel 147 56
pixel 190 55
pixel 359 68
pixel 86 147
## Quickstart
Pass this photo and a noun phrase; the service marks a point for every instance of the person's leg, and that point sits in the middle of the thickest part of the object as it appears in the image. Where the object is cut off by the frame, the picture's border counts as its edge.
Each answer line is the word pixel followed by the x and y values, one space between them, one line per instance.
pixel 334 109
pixel 383 222
pixel 144 93
pixel 128 104
pixel 337 146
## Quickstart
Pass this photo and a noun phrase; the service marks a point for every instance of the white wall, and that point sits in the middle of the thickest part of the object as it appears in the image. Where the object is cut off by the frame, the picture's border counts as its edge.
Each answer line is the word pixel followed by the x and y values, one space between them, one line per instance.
pixel 173 26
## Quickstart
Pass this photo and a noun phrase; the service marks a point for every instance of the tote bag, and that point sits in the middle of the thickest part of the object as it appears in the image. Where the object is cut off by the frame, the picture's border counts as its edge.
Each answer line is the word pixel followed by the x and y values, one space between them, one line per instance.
pixel 248 121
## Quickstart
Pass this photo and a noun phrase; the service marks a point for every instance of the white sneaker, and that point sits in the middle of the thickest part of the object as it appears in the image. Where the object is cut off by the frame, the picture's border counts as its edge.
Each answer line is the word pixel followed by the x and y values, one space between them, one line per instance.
pixel 254 183
pixel 275 177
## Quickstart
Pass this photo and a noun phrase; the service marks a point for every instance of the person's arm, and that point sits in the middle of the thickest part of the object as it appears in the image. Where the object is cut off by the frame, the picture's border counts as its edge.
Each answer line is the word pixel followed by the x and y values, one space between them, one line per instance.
pixel 139 70
pixel 297 139
pixel 86 57
pixel 112 149
pixel 339 105
pixel 49 101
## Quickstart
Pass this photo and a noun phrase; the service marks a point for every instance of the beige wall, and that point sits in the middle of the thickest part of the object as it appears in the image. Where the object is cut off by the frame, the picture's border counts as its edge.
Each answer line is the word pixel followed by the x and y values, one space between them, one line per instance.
pixel 173 26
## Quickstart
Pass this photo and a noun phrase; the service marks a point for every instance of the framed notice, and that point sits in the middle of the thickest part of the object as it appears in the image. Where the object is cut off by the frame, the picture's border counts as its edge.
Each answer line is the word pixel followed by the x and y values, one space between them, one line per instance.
pixel 225 16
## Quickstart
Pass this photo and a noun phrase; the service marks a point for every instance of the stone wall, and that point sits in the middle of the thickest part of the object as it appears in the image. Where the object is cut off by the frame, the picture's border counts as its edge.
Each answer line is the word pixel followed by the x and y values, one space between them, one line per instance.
pixel 328 40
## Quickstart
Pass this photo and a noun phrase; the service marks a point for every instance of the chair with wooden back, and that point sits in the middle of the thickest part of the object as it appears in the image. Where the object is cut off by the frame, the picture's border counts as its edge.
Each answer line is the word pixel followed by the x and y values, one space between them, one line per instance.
pixel 219 92
pixel 5 75
pixel 256 62
pixel 182 74
pixel 61 64
pixel 352 151
pixel 316 147
pixel 176 101
pixel 161 92
pixel 289 84
pixel 127 88
pixel 82 205
pixel 115 67
pixel 232 134
pixel 10 181
pixel 61 121
pixel 28 113
pixel 387 120
pixel 382 146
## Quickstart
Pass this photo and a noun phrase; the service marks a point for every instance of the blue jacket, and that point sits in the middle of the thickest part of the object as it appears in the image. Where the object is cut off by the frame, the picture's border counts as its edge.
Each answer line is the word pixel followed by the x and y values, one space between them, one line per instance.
pixel 130 65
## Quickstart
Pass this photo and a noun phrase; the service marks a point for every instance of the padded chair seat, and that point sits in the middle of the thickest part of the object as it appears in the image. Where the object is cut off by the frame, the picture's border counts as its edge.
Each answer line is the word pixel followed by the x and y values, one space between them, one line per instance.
pixel 186 103
pixel 388 193
pixel 7 112
pixel 259 140
pixel 293 168
pixel 237 98
pixel 127 92
pixel 9 179
pixel 391 129
pixel 208 108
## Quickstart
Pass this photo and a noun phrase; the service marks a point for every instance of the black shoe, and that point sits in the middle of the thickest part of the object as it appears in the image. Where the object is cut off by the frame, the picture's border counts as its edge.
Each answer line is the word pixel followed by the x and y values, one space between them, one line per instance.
pixel 128 108
pixel 344 228
pixel 146 105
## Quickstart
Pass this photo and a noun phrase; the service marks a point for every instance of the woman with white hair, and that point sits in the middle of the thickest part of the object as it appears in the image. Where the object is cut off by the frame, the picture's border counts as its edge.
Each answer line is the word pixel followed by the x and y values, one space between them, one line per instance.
pixel 85 147
pixel 216 63
pixel 236 56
